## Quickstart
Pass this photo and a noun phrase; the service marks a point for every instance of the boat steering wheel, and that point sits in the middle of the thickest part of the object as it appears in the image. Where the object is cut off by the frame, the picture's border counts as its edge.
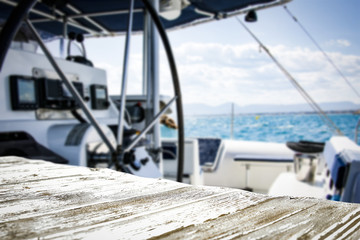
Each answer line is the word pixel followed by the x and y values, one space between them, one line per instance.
pixel 20 13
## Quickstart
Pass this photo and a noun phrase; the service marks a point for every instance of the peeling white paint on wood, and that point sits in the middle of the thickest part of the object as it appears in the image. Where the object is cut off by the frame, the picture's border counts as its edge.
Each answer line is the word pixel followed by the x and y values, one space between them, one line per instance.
pixel 45 200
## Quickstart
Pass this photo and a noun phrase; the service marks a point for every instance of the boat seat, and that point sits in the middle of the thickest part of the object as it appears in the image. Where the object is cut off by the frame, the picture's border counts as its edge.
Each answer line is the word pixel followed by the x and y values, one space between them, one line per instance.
pixel 22 144
pixel 306 146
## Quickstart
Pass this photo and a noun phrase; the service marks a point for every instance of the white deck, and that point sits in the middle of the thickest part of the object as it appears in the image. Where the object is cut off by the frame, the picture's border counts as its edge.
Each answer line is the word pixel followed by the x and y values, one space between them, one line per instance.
pixel 45 200
pixel 287 184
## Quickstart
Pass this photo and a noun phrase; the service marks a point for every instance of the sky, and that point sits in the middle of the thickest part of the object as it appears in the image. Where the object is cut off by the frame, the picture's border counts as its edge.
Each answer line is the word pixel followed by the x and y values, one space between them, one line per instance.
pixel 219 62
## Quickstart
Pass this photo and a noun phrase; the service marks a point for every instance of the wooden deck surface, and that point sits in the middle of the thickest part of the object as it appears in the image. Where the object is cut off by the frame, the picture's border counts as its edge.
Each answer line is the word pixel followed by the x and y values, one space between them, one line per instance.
pixel 42 200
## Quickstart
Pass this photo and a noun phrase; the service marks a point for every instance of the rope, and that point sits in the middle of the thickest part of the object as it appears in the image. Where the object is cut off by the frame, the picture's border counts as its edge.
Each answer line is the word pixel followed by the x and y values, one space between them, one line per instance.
pixel 293 81
pixel 323 52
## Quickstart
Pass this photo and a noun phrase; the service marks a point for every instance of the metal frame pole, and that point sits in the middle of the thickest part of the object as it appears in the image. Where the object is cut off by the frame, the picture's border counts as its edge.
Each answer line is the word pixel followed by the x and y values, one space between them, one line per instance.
pixel 151 77
pixel 154 78
pixel 145 53
pixel 62 40
pixel 147 87
pixel 176 84
pixel 125 77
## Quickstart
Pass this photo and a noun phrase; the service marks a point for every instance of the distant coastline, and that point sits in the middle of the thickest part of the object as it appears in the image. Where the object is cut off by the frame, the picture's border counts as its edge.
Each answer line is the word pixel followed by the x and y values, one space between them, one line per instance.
pixel 225 109
pixel 357 112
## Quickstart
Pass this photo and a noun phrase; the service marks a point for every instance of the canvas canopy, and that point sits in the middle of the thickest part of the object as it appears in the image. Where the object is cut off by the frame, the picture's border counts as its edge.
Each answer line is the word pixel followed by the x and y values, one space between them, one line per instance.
pixel 109 17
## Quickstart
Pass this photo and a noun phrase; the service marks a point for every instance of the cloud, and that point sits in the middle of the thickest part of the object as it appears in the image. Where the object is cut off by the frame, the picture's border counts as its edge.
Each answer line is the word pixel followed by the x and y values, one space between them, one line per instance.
pixel 343 42
pixel 214 73
pixel 339 43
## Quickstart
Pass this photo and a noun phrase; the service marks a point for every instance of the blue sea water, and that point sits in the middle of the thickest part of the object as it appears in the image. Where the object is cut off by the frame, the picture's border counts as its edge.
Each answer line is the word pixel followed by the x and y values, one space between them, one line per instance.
pixel 266 128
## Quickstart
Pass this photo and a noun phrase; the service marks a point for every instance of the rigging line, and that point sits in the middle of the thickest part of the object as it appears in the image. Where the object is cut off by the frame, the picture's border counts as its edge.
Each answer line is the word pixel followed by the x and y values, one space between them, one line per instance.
pixel 293 81
pixel 321 50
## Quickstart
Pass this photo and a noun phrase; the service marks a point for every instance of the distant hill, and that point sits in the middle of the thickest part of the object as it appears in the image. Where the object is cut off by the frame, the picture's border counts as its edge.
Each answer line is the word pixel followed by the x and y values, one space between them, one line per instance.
pixel 203 109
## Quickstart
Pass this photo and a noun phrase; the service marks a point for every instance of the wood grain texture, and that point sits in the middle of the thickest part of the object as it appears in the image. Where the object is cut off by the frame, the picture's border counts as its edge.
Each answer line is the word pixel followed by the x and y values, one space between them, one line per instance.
pixel 50 201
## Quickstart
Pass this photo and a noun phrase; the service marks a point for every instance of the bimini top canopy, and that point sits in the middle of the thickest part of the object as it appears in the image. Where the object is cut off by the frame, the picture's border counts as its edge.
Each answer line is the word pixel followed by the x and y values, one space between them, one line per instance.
pixel 109 17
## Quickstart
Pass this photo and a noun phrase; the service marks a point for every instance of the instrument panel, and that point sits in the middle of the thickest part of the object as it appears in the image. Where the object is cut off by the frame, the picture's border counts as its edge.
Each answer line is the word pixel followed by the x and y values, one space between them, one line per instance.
pixel 30 93
pixel 24 93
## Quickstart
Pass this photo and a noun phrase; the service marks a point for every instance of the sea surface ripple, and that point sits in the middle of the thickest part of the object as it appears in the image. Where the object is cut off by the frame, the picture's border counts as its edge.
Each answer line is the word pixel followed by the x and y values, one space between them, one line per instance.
pixel 266 128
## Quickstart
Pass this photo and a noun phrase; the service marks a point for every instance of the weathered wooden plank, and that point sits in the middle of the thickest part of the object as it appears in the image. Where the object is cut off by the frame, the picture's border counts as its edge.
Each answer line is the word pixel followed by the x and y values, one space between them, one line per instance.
pixel 266 219
pixel 54 195
pixel 75 202
pixel 283 218
pixel 176 215
pixel 84 217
